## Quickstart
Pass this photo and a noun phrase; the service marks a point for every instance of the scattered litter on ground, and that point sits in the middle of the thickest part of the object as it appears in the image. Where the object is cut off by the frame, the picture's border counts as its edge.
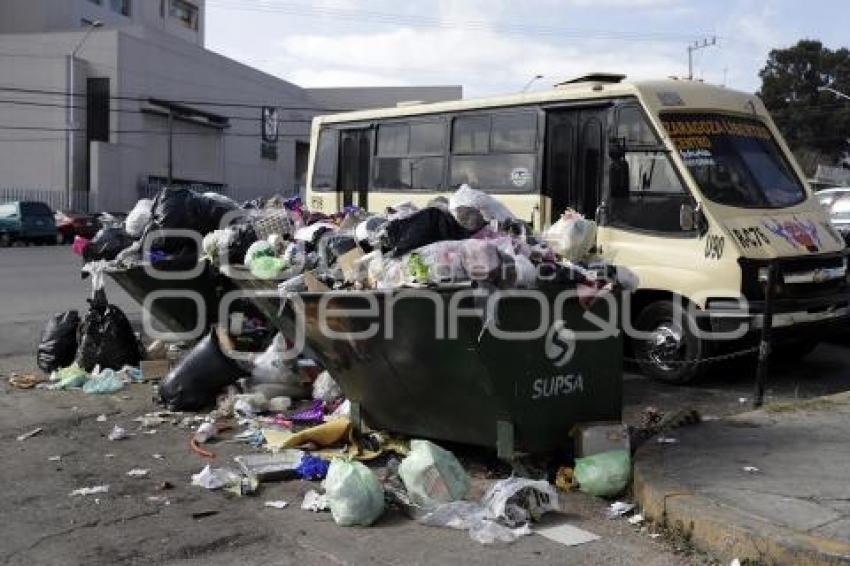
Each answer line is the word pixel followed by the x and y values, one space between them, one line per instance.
pixel 619 508
pixel 215 478
pixel 30 434
pixel 165 485
pixel 751 469
pixel 567 534
pixel 565 479
pixel 90 490
pixel 204 514
pixel 138 473
pixel 26 381
pixel 109 456
pixel 101 418
pixel 159 499
pixel 278 504
pixel 277 466
pixel 742 400
pixel 157 456
pixel 636 519
pixel 315 502
pixel 666 440
pixel 117 433
pixel 55 459
pixel 206 431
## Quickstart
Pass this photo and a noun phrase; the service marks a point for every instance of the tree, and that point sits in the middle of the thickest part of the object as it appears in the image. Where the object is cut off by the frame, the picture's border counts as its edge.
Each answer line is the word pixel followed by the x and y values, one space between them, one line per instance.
pixel 815 123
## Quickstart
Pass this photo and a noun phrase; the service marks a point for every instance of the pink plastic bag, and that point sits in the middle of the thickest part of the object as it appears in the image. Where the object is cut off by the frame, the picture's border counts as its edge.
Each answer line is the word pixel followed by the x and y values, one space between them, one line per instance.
pixel 80 245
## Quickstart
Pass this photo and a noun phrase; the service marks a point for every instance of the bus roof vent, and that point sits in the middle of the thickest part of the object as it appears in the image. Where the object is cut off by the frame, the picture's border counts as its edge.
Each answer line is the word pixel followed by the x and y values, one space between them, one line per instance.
pixel 406 103
pixel 604 78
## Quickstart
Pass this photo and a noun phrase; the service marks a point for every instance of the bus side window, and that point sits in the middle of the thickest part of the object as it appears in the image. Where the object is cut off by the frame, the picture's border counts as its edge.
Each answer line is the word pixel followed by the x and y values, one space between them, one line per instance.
pixel 495 153
pixel 646 191
pixel 324 168
pixel 410 156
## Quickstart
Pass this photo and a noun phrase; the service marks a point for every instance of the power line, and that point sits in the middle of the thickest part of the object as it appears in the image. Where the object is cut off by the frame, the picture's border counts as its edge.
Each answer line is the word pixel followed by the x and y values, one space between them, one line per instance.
pixel 46 92
pixel 134 111
pixel 145 132
pixel 370 16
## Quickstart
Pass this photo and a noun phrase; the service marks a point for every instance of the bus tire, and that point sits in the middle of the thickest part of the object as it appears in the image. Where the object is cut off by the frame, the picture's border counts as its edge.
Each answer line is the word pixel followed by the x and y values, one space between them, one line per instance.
pixel 672 351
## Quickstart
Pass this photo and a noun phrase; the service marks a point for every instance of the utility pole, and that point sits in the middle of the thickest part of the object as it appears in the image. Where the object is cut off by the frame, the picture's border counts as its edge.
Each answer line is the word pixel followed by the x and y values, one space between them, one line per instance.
pixel 696 46
pixel 170 147
pixel 72 117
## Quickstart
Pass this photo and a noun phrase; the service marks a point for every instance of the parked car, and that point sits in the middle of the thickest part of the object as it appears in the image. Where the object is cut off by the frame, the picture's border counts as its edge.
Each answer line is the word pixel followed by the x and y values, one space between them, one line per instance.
pixel 836 201
pixel 70 224
pixel 28 222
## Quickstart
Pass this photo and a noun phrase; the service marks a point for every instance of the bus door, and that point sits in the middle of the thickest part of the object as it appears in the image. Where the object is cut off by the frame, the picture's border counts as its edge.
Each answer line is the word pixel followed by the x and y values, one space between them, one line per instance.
pixel 574 160
pixel 355 150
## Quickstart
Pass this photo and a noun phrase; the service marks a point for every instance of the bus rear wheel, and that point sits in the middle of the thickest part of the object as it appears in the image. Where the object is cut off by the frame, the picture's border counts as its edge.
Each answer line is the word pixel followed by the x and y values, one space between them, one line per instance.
pixel 669 351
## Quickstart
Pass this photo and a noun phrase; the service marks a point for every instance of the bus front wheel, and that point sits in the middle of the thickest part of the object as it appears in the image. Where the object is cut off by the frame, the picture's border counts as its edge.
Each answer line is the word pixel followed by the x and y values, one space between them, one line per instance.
pixel 668 349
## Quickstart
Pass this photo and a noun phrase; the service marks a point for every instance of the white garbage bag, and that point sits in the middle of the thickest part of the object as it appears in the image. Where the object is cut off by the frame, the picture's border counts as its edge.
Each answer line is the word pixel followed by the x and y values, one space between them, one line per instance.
pixel 490 208
pixel 572 236
pixel 272 366
pixel 354 494
pixel 326 389
pixel 139 217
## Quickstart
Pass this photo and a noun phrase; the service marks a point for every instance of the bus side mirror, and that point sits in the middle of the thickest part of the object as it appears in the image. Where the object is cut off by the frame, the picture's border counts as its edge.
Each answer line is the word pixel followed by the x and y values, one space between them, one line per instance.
pixel 618 171
pixel 692 218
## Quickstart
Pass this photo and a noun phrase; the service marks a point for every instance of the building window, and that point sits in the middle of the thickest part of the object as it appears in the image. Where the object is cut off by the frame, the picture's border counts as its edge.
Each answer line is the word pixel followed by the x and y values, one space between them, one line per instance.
pixel 120 6
pixel 185 13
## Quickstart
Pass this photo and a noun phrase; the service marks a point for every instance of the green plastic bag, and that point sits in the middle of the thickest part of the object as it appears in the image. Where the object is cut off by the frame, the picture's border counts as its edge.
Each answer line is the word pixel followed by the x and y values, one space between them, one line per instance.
pixel 432 475
pixel 70 377
pixel 265 267
pixel 604 475
pixel 354 494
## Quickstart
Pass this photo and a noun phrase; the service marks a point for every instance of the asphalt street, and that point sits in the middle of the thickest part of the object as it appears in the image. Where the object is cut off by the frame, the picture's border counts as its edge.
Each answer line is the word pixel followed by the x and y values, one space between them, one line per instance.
pixel 134 524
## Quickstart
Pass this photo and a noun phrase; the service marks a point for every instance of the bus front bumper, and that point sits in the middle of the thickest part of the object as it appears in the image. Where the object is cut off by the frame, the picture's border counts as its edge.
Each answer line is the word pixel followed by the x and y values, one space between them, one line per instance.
pixel 821 313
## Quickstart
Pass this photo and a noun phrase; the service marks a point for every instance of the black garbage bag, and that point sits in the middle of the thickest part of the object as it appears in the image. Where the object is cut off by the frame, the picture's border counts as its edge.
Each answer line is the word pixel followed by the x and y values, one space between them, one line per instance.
pixel 244 235
pixel 107 244
pixel 199 377
pixel 58 345
pixel 421 228
pixel 106 337
pixel 184 209
pixel 333 246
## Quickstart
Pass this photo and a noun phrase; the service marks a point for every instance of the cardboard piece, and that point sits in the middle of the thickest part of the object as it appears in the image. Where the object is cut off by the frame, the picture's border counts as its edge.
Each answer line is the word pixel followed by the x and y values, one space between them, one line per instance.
pixel 566 534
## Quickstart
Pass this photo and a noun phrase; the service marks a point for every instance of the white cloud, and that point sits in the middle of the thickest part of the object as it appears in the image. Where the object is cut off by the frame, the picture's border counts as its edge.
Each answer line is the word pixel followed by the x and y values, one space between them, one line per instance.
pixel 494 63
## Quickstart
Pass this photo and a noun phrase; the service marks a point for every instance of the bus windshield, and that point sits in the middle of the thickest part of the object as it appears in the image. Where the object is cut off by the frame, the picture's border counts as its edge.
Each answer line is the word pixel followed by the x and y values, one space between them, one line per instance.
pixel 735 161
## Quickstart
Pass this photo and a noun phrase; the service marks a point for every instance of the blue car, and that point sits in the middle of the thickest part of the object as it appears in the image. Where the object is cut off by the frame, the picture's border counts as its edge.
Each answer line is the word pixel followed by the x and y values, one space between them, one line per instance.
pixel 28 222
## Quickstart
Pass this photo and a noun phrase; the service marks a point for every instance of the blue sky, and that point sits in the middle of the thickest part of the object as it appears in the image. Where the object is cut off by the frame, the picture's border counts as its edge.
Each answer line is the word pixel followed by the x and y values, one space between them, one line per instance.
pixel 495 46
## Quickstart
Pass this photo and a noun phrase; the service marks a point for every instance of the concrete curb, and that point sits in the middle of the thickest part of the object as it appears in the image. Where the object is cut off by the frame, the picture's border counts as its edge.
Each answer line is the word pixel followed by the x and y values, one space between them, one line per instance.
pixel 720 529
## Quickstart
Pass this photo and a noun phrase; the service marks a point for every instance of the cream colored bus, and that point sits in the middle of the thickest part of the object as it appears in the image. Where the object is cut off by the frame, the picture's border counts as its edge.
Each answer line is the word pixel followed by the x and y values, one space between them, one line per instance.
pixel 692 186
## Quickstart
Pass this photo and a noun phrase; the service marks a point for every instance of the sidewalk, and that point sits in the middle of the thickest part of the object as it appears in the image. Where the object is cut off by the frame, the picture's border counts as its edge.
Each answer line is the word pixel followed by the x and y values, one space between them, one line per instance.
pixel 795 509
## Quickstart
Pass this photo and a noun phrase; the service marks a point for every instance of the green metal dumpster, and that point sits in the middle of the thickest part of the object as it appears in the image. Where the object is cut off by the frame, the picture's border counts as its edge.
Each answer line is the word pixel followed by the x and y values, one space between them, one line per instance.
pixel 518 396
pixel 177 314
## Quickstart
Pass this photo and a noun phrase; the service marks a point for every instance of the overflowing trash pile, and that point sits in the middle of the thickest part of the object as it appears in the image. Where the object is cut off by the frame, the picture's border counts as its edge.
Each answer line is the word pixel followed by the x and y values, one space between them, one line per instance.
pixel 290 411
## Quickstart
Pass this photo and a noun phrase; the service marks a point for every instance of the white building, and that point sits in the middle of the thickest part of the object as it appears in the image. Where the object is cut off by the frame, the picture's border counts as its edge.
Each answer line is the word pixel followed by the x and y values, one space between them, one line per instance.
pixel 108 143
